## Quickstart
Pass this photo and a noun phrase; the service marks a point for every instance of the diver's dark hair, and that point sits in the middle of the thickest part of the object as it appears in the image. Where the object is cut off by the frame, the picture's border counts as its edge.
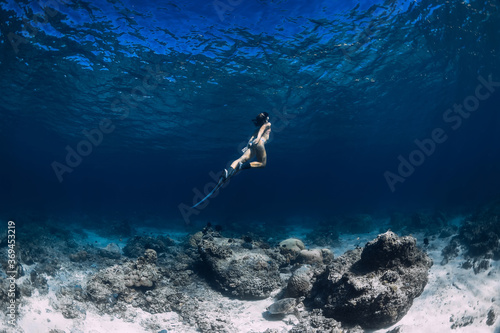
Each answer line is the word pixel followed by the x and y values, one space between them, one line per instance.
pixel 260 119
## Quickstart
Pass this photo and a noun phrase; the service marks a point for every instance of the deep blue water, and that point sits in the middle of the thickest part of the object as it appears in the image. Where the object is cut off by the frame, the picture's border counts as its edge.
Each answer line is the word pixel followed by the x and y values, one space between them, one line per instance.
pixel 350 86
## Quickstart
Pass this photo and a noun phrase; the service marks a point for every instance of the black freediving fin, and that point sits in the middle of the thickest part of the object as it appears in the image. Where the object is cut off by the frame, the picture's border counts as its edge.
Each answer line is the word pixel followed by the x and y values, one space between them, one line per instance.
pixel 223 180
pixel 221 183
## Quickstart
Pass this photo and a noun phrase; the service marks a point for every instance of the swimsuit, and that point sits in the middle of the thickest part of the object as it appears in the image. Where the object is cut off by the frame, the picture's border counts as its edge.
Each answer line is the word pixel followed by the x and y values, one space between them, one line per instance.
pixel 252 146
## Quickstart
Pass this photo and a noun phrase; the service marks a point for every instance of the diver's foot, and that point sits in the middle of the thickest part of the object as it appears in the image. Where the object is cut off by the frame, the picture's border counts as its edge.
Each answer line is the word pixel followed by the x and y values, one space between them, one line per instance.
pixel 227 173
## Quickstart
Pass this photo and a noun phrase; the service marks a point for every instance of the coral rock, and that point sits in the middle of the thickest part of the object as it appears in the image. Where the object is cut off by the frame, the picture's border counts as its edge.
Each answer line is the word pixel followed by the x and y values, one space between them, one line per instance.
pixel 241 272
pixel 310 256
pixel 300 283
pixel 373 287
pixel 292 245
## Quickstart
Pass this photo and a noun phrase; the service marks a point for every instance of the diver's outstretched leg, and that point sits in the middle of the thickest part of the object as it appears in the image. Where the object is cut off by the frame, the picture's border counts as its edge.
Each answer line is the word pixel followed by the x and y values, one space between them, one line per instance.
pixel 238 164
pixel 229 172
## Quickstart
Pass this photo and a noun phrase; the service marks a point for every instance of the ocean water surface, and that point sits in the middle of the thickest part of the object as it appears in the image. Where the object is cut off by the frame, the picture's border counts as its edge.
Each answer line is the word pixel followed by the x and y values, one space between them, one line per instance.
pixel 133 107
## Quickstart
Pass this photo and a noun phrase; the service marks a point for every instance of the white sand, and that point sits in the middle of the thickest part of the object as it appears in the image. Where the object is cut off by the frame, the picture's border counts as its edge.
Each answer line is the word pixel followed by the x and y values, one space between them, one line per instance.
pixel 39 317
pixel 452 293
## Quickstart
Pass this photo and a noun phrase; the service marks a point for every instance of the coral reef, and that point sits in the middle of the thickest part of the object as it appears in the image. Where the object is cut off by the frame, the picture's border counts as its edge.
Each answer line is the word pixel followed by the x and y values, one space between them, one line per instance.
pixel 121 281
pixel 368 287
pixel 316 256
pixel 373 287
pixel 292 245
pixel 316 322
pixel 479 237
pixel 241 272
pixel 79 256
pixel 301 282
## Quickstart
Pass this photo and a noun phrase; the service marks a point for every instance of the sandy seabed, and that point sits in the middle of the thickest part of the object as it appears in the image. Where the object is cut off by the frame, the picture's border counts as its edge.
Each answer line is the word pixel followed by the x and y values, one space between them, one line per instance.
pixel 453 297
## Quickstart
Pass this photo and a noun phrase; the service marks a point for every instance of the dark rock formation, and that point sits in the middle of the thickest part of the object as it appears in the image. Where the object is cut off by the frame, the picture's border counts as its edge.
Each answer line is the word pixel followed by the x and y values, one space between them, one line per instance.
pixel 450 251
pixel 481 236
pixel 317 322
pixel 372 287
pixel 491 317
pixel 461 322
pixel 478 236
pixel 237 270
pixel 39 282
pixel 123 282
pixel 300 283
pixel 80 256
